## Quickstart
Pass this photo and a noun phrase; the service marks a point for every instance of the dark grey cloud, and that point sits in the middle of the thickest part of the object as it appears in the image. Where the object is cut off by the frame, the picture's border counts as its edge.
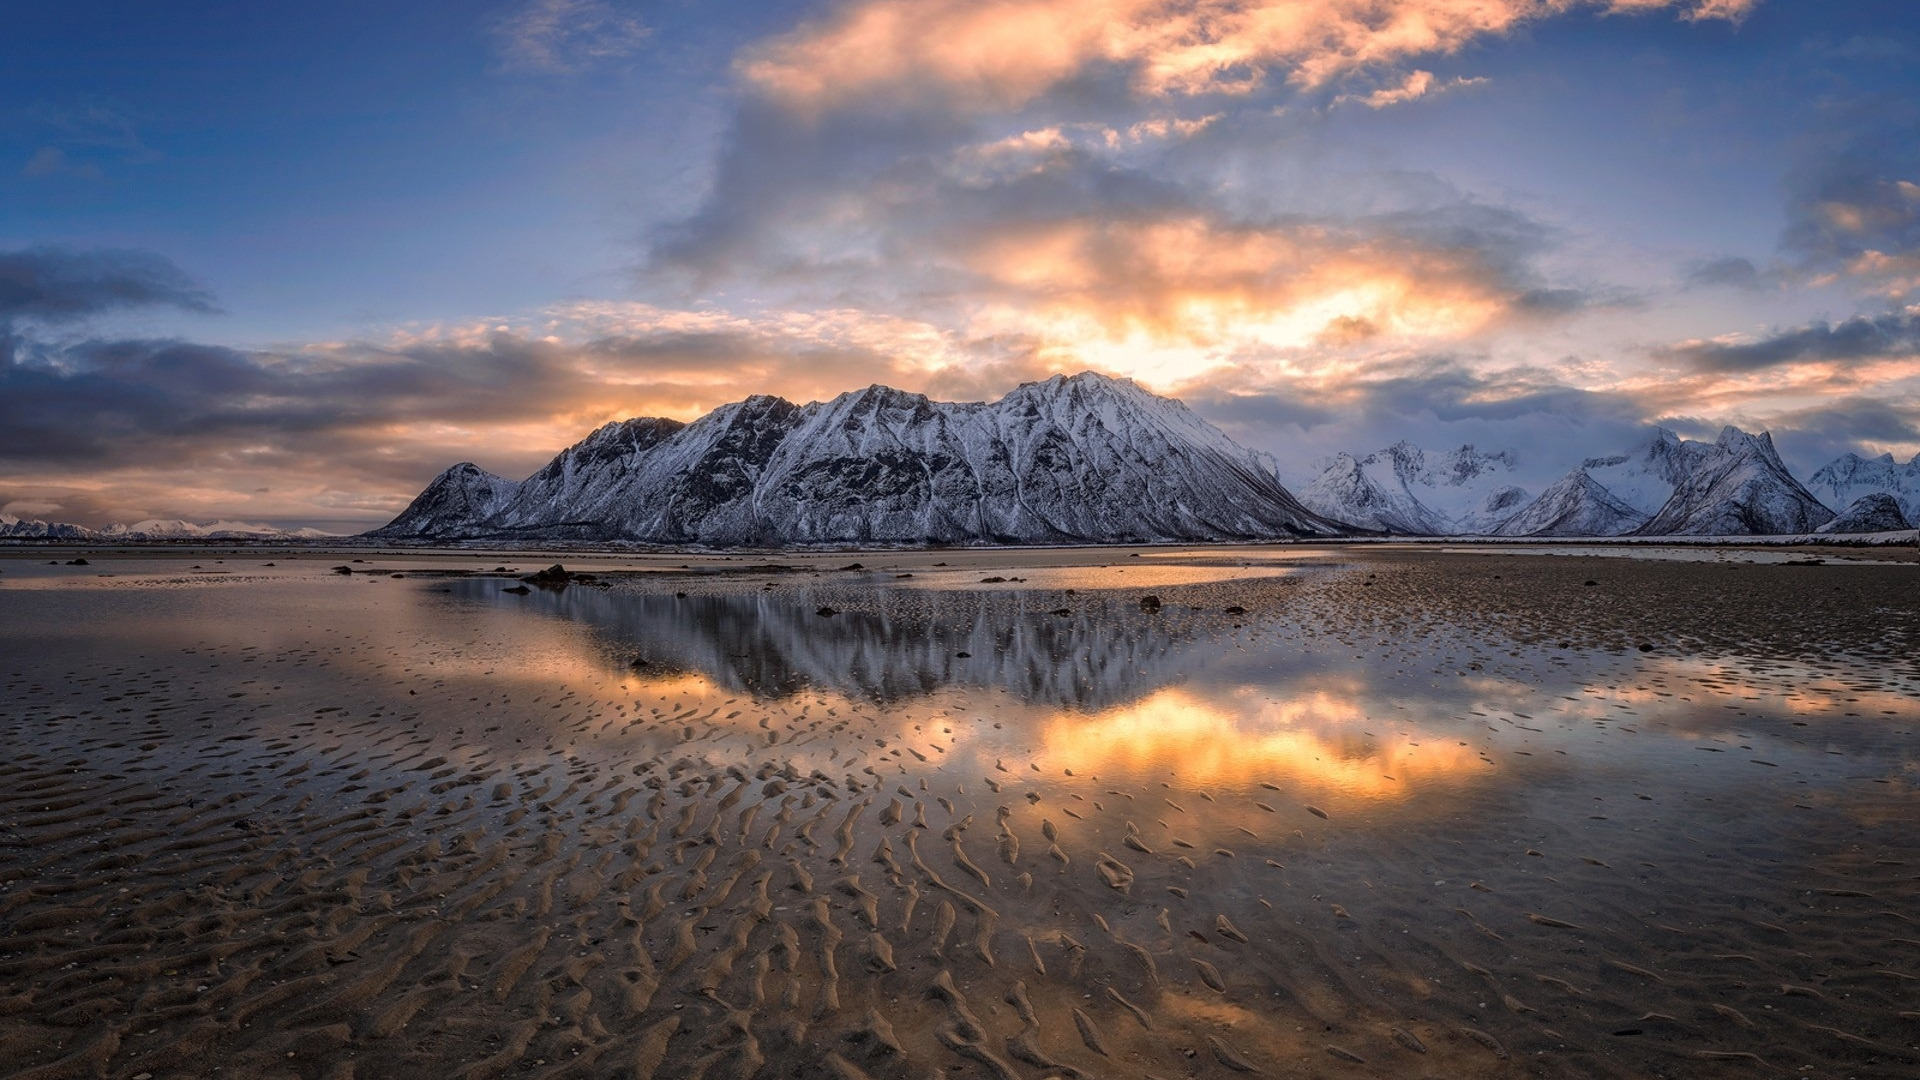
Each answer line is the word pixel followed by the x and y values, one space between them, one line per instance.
pixel 1859 338
pixel 100 403
pixel 57 284
pixel 1730 271
pixel 1811 437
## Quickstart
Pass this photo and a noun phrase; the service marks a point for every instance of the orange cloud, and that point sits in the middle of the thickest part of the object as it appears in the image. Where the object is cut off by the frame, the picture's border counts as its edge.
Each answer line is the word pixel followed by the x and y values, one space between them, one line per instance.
pixel 998 55
pixel 1164 298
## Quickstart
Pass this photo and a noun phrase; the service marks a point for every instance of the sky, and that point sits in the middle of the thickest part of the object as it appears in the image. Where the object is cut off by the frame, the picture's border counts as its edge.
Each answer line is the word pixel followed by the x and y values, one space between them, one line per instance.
pixel 284 262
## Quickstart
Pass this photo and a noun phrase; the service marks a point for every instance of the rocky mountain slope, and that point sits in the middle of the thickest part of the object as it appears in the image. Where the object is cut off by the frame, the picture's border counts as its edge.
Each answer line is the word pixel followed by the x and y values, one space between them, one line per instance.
pixel 1084 459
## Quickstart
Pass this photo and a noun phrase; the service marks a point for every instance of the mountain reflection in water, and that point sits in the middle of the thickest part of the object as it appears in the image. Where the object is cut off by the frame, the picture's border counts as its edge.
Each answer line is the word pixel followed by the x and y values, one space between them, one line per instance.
pixel 889 644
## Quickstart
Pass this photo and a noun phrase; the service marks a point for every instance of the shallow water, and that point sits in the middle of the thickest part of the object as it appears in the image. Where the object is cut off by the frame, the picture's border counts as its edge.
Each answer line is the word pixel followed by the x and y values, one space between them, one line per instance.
pixel 732 822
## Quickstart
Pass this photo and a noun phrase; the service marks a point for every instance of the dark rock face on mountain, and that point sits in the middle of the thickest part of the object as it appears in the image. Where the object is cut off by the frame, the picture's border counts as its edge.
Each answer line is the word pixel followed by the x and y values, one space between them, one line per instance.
pixel 1086 459
pixel 1869 514
pixel 1738 487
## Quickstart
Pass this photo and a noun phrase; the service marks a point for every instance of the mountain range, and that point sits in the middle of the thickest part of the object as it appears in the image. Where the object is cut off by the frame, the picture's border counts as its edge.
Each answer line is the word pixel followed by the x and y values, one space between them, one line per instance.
pixel 1668 486
pixel 1403 489
pixel 1080 459
pixel 16 528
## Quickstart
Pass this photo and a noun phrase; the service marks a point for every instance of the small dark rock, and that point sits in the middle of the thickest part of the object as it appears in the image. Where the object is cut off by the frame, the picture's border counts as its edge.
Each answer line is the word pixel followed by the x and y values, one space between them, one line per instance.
pixel 554 575
pixel 826 612
pixel 639 661
pixel 1236 610
pixel 343 569
pixel 963 655
pixel 1645 647
pixel 1149 602
pixel 852 566
pixel 78 562
pixel 994 580
pixel 517 590
pixel 1590 583
pixel 1062 611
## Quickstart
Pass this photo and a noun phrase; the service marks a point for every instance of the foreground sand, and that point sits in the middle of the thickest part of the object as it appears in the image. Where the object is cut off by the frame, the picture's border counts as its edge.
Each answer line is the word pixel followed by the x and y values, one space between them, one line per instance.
pixel 1322 813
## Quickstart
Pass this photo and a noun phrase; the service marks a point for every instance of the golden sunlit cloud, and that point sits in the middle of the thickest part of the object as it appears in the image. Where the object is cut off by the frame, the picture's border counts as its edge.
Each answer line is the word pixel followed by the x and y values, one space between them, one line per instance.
pixel 999 55
pixel 1163 299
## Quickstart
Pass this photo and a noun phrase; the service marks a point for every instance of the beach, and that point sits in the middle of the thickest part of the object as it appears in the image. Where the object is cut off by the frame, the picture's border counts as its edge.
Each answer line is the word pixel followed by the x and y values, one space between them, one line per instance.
pixel 1270 810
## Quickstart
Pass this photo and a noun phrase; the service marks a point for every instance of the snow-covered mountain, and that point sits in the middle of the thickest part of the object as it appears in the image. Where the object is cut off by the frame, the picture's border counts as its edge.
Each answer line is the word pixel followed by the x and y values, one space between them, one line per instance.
pixel 177 529
pixel 1733 486
pixel 1844 480
pixel 1645 477
pixel 12 527
pixel 1404 489
pixel 1576 505
pixel 152 529
pixel 1079 459
pixel 1738 486
pixel 1873 513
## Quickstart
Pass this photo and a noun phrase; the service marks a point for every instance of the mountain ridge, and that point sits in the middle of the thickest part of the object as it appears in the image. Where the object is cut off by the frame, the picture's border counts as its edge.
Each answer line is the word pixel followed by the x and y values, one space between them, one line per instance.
pixel 1083 458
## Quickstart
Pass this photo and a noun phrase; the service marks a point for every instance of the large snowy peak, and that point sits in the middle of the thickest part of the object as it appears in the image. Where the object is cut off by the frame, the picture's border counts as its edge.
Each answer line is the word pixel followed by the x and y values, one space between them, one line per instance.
pixel 456 501
pixel 1644 478
pixel 1738 487
pixel 1081 458
pixel 1575 505
pixel 1845 480
pixel 1404 489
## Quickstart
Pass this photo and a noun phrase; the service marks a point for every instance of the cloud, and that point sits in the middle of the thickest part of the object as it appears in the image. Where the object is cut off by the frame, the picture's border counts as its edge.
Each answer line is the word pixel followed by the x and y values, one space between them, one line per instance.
pixel 1002 54
pixel 349 432
pixel 1730 271
pixel 1859 338
pixel 1853 207
pixel 55 284
pixel 1416 85
pixel 1083 247
pixel 567 36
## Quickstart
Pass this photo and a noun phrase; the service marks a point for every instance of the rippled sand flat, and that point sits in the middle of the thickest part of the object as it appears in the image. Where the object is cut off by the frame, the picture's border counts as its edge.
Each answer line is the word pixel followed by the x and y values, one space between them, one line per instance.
pixel 1292 812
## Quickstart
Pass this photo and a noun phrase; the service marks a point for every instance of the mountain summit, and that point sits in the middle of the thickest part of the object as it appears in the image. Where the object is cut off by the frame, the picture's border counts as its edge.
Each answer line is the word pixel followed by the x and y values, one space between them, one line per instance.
pixel 1080 459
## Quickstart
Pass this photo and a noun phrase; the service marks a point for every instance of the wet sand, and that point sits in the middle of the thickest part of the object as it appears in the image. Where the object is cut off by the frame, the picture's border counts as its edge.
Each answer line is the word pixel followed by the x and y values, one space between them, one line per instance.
pixel 1341 812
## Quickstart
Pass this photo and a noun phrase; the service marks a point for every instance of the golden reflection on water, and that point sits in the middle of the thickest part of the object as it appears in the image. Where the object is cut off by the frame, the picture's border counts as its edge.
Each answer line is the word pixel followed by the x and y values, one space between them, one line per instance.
pixel 1314 740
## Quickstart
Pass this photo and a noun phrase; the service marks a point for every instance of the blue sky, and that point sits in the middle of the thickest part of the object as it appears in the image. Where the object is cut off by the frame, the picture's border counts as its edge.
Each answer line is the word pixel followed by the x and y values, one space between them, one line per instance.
pixel 284 262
